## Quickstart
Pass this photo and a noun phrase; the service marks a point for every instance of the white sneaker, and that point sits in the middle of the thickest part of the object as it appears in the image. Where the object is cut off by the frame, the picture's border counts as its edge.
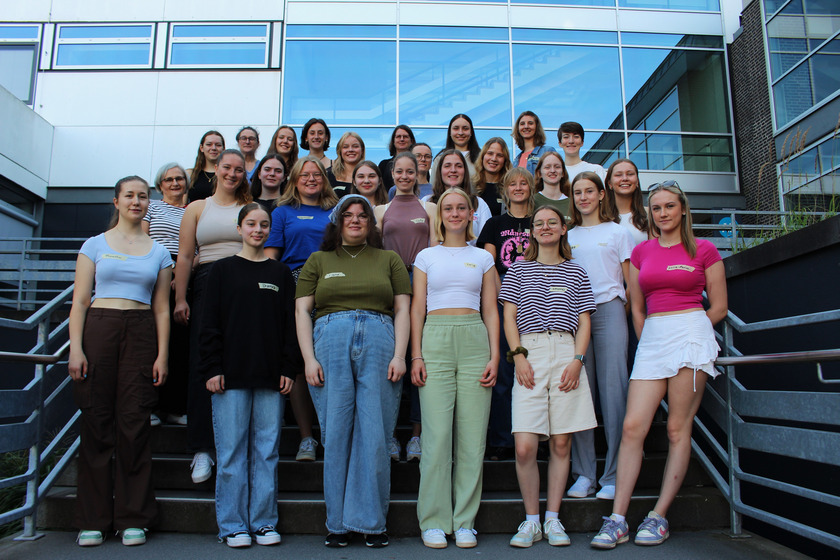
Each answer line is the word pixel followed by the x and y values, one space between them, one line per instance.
pixel 177 419
pixel 154 420
pixel 202 467
pixel 239 539
pixel 306 450
pixel 606 492
pixel 89 538
pixel 394 449
pixel 582 488
pixel 527 534
pixel 133 537
pixel 413 450
pixel 465 538
pixel 556 533
pixel 267 535
pixel 434 538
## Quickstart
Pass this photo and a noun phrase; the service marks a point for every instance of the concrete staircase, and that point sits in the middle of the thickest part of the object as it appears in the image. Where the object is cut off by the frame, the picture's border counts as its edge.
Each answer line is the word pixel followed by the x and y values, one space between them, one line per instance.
pixel 187 507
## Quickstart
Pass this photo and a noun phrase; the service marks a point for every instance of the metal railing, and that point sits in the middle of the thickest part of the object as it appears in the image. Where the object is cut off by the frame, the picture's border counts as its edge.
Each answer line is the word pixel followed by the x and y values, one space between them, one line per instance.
pixel 785 424
pixel 33 403
pixel 34 269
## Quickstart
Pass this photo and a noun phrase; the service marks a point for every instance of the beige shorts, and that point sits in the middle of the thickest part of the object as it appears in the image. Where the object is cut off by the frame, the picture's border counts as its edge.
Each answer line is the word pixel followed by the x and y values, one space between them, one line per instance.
pixel 546 410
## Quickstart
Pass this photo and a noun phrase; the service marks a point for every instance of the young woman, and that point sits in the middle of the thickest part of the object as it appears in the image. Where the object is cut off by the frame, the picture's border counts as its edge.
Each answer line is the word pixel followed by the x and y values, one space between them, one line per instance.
pixel 506 238
pixel 285 143
pixel 349 151
pixel 547 301
pixel 297 228
pixel 118 355
pixel 676 354
pixel 269 180
pixel 492 164
pixel 367 181
pixel 530 138
pixel 625 198
pixel 406 225
pixel 315 137
pixel 552 182
pixel 401 140
pixel 162 223
pixel 355 360
pixel 602 248
pixel 211 145
pixel 248 140
pixel 208 226
pixel 423 155
pixel 452 173
pixel 249 356
pixel 460 136
pixel 455 355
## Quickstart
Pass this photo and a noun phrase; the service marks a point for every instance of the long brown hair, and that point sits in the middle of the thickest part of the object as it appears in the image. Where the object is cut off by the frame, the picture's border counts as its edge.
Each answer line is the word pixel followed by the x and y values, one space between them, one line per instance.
pixel 380 194
pixel 243 189
pixel 293 155
pixel 638 215
pixel 533 250
pixel 200 159
pixel 605 211
pixel 438 186
pixel 565 187
pixel 687 239
pixel 115 215
pixel 539 133
pixel 479 179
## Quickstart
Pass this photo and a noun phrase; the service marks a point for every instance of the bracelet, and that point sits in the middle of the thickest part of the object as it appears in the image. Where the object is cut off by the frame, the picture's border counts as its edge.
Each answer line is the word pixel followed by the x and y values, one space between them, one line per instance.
pixel 417 358
pixel 515 351
pixel 399 358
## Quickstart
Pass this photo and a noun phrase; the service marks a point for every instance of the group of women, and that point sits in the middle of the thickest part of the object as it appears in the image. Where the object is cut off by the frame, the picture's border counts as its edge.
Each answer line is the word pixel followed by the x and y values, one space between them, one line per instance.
pixel 491 292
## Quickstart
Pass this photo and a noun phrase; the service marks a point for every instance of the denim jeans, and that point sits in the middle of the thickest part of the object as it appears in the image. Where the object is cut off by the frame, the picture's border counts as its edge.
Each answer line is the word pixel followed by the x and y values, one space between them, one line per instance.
pixel 247 431
pixel 357 410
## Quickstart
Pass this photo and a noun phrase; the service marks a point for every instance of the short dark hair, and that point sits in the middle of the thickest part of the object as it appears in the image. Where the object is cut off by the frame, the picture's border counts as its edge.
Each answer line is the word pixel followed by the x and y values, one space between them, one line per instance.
pixel 304 143
pixel 244 128
pixel 248 208
pixel 570 127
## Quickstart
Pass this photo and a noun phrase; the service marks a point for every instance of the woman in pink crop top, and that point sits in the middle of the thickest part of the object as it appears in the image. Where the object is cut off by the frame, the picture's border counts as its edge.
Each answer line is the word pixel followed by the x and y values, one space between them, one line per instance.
pixel 676 354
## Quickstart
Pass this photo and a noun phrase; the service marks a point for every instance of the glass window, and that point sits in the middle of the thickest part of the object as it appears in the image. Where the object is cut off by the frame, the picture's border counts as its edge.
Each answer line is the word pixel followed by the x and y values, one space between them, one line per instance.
pixel 553 81
pixel 698 5
pixel 18 64
pixel 568 2
pixel 228 45
pixel 341 31
pixel 671 40
pixel 438 80
pixel 443 32
pixel 357 87
pixel 771 6
pixel 608 147
pixel 19 32
pixel 675 152
pixel 565 36
pixel 114 46
pixel 808 84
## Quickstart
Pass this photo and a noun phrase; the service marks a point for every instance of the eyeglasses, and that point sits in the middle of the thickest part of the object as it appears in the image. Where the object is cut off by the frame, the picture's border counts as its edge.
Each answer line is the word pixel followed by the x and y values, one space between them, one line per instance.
pixel 170 180
pixel 659 186
pixel 247 138
pixel 552 223
pixel 349 216
pixel 307 176
pixel 423 156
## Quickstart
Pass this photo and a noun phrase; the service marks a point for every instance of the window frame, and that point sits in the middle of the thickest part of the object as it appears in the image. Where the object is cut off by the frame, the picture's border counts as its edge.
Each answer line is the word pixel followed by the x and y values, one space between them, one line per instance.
pixel 172 41
pixel 59 41
pixel 23 42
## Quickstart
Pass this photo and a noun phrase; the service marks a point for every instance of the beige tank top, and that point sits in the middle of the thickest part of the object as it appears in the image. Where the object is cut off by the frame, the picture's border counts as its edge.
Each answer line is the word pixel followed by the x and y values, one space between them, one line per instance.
pixel 215 233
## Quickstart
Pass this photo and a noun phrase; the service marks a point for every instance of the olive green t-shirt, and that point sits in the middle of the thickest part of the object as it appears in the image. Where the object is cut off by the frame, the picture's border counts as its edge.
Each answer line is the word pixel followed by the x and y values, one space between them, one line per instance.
pixel 340 282
pixel 562 205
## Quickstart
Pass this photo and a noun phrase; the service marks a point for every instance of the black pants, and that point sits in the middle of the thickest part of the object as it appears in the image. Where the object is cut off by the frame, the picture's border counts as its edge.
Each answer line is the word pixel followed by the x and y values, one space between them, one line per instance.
pixel 199 410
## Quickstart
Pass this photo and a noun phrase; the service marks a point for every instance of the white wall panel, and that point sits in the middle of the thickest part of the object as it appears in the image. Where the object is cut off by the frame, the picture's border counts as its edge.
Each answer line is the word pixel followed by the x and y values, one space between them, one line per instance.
pixel 25 145
pixel 324 13
pixel 223 10
pixel 97 98
pixel 586 19
pixel 97 156
pixel 670 22
pixel 454 14
pixel 25 10
pixel 107 10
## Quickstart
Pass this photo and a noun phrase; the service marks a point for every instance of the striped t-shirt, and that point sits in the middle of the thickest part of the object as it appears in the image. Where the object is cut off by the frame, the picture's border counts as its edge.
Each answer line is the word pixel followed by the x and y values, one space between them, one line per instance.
pixel 165 224
pixel 547 297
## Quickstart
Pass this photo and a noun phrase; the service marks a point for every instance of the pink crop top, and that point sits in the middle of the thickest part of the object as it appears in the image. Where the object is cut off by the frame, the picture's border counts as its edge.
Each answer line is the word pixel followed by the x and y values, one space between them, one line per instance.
pixel 669 278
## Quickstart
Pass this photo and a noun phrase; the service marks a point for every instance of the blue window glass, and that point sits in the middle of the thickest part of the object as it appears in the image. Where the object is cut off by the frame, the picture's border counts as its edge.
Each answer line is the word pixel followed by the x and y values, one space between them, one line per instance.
pixel 825 69
pixel 203 54
pixel 699 5
pixel 219 31
pixel 671 40
pixel 18 75
pixel 785 53
pixel 568 2
pixel 792 95
pixel 103 54
pixel 772 6
pixel 438 80
pixel 359 88
pixel 334 31
pixel 608 147
pixel 674 152
pixel 104 31
pixel 564 36
pixel 19 32
pixel 568 83
pixel 444 32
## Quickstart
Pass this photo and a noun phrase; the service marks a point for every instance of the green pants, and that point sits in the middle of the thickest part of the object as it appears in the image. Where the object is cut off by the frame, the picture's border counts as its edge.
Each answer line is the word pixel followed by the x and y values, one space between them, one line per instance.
pixel 455 409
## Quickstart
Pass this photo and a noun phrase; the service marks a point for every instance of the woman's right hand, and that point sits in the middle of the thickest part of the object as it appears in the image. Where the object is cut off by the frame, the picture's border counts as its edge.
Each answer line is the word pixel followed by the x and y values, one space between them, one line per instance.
pixel 524 371
pixel 314 373
pixel 182 312
pixel 418 372
pixel 77 366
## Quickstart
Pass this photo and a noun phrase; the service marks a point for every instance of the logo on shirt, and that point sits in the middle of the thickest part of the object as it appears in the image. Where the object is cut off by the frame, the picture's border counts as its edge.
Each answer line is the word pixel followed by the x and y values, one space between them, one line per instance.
pixel 685 267
pixel 267 286
pixel 334 275
pixel 469 265
pixel 557 289
pixel 306 217
pixel 419 220
pixel 114 257
pixel 602 244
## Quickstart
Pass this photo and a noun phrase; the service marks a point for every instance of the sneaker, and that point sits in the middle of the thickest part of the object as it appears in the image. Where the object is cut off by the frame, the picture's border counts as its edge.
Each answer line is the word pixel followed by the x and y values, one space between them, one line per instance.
pixel 90 538
pixel 434 538
pixel 133 537
pixel 556 533
pixel 394 449
pixel 267 536
pixel 178 419
pixel 337 540
pixel 527 534
pixel 653 530
pixel 202 467
pixel 582 488
pixel 413 450
pixel 306 451
pixel 465 538
pixel 612 533
pixel 606 492
pixel 378 540
pixel 239 539
pixel 154 420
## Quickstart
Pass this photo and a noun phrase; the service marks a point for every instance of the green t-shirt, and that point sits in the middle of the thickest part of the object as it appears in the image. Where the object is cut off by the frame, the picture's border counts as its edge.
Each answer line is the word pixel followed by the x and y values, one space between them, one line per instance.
pixel 563 205
pixel 340 282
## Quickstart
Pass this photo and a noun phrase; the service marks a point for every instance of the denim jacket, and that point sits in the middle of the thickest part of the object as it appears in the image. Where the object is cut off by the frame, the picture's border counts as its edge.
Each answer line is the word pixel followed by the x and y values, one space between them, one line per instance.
pixel 533 157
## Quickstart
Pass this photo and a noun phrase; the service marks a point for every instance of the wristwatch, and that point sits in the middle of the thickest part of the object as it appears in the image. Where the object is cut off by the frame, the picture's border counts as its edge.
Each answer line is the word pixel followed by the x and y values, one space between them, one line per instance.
pixel 580 357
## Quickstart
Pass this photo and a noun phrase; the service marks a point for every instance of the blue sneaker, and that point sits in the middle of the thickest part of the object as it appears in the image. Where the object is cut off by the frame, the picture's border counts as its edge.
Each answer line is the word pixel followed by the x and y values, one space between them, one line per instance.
pixel 653 530
pixel 612 533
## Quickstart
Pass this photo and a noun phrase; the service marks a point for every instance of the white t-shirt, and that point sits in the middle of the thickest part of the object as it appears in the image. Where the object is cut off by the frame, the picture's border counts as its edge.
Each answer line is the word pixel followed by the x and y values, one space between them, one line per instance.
pixel 600 250
pixel 637 234
pixel 453 276
pixel 573 170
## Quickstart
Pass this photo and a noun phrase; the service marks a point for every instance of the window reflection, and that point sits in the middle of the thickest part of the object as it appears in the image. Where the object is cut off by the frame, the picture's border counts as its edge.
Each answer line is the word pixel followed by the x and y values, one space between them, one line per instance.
pixel 18 75
pixel 808 84
pixel 681 152
pixel 700 5
pixel 800 27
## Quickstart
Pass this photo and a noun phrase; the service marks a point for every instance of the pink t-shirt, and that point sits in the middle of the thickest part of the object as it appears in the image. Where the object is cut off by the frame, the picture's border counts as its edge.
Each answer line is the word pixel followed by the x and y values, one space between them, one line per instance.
pixel 669 278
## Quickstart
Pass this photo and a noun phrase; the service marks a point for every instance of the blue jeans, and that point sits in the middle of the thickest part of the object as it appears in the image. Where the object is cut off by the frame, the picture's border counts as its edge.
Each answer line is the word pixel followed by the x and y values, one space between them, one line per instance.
pixel 247 426
pixel 357 410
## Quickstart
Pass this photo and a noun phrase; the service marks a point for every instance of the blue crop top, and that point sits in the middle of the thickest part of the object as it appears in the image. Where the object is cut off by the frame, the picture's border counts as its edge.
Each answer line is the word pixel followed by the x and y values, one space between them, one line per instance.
pixel 125 276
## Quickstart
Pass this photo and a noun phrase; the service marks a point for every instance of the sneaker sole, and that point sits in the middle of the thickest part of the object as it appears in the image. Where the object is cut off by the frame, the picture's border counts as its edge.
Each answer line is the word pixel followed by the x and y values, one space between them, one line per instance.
pixel 609 546
pixel 562 542
pixel 430 544
pixel 466 545
pixel 90 541
pixel 304 458
pixel 134 541
pixel 653 542
pixel 238 544
pixel 268 541
pixel 201 478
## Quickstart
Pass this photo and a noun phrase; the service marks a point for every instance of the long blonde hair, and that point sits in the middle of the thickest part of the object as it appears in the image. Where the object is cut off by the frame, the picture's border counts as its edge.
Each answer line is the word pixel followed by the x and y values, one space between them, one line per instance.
pixel 440 229
pixel 291 196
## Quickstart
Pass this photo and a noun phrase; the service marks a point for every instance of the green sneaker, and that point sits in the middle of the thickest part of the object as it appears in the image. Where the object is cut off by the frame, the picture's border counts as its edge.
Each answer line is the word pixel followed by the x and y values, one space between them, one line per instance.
pixel 133 537
pixel 90 538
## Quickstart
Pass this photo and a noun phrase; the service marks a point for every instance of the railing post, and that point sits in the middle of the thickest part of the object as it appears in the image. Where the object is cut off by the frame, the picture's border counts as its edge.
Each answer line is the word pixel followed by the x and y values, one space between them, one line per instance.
pixel 21 273
pixel 733 244
pixel 734 482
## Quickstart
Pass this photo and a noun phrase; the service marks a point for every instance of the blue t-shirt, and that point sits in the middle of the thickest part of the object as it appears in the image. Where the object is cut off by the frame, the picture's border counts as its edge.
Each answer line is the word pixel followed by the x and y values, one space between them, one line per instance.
pixel 125 276
pixel 298 232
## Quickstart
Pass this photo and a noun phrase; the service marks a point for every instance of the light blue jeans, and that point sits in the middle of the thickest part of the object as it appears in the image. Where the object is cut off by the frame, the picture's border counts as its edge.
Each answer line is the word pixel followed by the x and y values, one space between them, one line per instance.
pixel 357 411
pixel 246 424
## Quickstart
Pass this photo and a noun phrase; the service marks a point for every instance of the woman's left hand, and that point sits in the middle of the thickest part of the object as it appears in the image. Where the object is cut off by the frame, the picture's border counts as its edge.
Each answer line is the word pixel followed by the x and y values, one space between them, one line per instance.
pixel 159 372
pixel 488 378
pixel 396 369
pixel 286 384
pixel 570 380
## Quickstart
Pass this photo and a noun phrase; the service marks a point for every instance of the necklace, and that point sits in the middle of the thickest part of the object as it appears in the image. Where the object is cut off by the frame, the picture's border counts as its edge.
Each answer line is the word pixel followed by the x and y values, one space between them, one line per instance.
pixel 352 256
pixel 549 268
pixel 456 251
pixel 130 241
pixel 668 245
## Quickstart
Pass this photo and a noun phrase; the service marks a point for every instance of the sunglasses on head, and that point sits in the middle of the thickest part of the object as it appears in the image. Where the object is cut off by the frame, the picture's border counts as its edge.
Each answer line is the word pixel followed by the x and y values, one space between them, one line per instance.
pixel 663 184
